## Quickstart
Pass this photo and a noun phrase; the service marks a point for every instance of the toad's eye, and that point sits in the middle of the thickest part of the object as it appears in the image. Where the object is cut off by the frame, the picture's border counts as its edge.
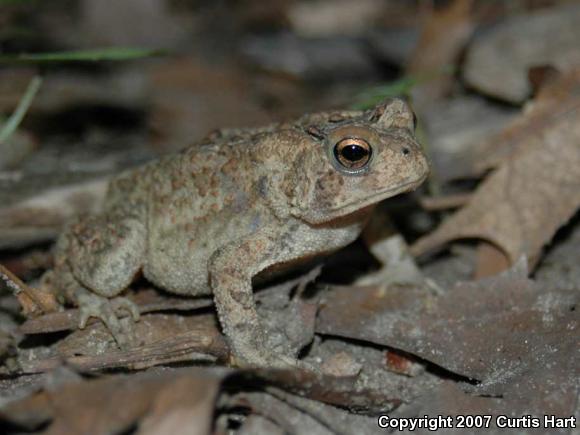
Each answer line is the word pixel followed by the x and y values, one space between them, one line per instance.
pixel 352 153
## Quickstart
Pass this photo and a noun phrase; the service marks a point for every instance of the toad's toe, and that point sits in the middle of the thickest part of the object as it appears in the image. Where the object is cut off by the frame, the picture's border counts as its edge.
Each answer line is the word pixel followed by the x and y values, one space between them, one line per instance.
pixel 105 309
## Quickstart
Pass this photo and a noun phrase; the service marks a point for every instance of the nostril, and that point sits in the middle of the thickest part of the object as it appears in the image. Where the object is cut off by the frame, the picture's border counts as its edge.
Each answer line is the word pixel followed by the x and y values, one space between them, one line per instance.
pixel 406 151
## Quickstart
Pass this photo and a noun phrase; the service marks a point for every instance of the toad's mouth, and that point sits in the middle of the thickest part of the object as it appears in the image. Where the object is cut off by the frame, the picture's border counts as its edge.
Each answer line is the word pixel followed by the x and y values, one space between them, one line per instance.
pixel 356 205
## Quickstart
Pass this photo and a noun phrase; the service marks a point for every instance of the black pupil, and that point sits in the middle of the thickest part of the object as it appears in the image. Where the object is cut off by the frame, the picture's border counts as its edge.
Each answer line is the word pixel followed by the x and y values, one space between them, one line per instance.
pixel 354 153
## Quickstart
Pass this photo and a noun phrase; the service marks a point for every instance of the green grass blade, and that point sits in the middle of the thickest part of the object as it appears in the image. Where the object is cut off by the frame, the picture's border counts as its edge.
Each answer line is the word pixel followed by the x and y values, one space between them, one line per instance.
pixel 94 55
pixel 16 118
pixel 11 2
pixel 398 88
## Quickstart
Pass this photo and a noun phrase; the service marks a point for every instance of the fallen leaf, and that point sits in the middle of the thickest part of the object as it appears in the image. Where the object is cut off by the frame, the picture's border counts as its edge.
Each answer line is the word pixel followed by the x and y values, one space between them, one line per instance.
pixel 301 415
pixel 334 17
pixel 391 250
pixel 491 330
pixel 444 35
pixel 337 419
pixel 284 415
pixel 558 98
pixel 154 23
pixel 254 425
pixel 41 217
pixel 438 203
pixel 345 392
pixel 454 127
pixel 536 186
pixel 490 261
pixel 497 62
pixel 157 402
pixel 532 398
pixel 191 99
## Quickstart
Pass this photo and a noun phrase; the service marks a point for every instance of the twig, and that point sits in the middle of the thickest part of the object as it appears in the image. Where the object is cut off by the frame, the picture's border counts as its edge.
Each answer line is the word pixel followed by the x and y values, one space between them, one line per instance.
pixel 170 350
pixel 27 295
pixel 437 203
pixel 69 319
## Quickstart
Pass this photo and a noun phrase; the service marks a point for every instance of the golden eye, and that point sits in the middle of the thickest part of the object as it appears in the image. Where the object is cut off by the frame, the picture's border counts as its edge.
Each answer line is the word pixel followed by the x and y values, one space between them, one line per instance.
pixel 353 153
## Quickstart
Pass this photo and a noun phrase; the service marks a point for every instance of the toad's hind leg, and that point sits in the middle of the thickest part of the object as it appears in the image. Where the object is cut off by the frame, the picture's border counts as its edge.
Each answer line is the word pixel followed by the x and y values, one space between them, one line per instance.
pixel 106 253
pixel 103 255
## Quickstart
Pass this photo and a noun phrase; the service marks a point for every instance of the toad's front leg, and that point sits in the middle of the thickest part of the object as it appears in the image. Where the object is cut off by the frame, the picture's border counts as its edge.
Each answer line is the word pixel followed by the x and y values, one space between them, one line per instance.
pixel 231 270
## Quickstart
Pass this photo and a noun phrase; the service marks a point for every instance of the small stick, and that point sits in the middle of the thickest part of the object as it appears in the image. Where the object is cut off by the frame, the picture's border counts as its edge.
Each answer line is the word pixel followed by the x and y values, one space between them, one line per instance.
pixel 170 350
pixel 31 299
pixel 436 203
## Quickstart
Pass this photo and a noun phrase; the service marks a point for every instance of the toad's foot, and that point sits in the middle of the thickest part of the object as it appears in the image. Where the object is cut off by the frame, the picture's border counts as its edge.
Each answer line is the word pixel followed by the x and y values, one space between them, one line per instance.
pixel 105 309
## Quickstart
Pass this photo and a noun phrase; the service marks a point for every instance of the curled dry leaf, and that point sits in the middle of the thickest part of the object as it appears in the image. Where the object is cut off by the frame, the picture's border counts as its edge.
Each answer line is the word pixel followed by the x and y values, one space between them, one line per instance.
pixel 342 391
pixel 536 186
pixel 284 415
pixel 557 98
pixel 299 415
pixel 339 420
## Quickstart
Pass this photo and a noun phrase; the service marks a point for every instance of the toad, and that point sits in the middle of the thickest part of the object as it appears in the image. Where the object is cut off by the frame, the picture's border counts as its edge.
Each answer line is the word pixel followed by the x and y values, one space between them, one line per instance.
pixel 211 218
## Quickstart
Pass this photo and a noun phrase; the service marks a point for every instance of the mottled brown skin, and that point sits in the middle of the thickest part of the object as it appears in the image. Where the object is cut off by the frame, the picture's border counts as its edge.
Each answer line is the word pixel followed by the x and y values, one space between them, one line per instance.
pixel 209 219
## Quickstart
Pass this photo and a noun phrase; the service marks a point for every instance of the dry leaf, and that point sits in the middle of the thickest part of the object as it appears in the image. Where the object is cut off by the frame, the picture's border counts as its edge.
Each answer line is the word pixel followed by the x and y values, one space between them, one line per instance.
pixel 519 339
pixel 283 414
pixel 150 401
pixel 253 425
pixel 492 330
pixel 345 391
pixel 531 397
pixel 559 98
pixel 41 217
pixel 438 203
pixel 536 187
pixel 497 62
pixel 444 35
pixel 490 261
pixel 391 250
